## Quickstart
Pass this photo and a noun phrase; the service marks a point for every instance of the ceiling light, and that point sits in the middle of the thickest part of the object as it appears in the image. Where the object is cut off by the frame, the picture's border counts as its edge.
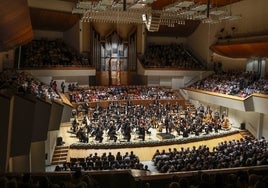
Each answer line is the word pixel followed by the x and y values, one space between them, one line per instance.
pixel 78 11
pixel 185 4
pixel 189 12
pixel 200 8
pixel 200 17
pixel 217 12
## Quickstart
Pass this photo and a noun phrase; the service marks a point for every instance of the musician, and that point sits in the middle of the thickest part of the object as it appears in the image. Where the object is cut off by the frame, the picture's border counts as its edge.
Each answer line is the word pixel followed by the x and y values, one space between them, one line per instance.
pixel 99 134
pixel 127 131
pixel 216 128
pixel 142 132
pixel 84 121
pixel 176 107
pixel 167 123
pixel 74 112
pixel 86 107
pixel 74 125
pixel 154 121
pixel 208 117
pixel 185 133
pixel 201 109
pixel 225 122
pixel 168 107
pixel 112 132
pixel 82 135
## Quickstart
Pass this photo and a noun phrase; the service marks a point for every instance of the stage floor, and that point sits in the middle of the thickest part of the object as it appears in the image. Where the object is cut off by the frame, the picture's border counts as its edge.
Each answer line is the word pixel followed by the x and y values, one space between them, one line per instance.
pixel 145 153
pixel 70 138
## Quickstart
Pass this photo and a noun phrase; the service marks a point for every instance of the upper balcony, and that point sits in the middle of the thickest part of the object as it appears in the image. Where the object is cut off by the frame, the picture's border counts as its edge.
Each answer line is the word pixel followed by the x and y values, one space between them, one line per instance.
pixel 253 103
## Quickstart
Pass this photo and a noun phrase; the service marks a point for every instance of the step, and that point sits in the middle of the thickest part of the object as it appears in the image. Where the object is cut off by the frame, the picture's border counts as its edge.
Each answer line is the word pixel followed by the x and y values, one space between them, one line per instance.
pixel 59 158
pixel 245 133
pixel 58 162
pixel 60 155
pixel 61 147
pixel 61 151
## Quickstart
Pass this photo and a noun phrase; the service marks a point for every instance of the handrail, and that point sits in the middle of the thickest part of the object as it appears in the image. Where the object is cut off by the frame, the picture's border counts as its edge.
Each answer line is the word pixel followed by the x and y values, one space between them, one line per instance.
pixel 216 94
pixel 234 97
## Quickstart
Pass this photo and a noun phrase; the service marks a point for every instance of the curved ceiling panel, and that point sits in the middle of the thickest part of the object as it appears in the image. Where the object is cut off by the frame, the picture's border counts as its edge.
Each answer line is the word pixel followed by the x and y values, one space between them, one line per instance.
pixel 15 22
pixel 178 30
pixel 44 19
pixel 242 50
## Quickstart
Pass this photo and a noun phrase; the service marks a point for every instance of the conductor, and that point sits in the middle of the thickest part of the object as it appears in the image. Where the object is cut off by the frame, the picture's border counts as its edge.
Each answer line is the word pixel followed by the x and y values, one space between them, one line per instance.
pixel 167 124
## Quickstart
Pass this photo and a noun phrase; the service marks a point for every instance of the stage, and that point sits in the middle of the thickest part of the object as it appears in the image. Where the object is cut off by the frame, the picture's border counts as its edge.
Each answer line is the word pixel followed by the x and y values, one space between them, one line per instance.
pixel 165 136
pixel 156 138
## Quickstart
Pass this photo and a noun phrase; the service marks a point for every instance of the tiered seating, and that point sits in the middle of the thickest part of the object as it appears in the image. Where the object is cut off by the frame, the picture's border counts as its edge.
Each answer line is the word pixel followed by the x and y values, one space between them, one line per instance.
pixel 169 56
pixel 50 53
pixel 240 84
pixel 106 161
pixel 236 153
pixel 23 83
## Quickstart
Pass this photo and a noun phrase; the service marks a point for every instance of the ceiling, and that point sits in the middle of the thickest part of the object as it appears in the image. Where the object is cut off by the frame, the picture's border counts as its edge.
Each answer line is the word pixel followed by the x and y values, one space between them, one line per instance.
pixel 19 19
pixel 58 20
pixel 15 24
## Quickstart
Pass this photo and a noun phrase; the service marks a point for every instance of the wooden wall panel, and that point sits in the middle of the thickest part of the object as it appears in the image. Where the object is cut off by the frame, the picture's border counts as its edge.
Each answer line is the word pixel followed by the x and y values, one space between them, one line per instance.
pixel 15 24
pixel 242 50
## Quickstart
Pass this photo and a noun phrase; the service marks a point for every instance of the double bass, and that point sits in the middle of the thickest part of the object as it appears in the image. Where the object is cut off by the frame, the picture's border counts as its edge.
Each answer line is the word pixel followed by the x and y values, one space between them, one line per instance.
pixel 225 123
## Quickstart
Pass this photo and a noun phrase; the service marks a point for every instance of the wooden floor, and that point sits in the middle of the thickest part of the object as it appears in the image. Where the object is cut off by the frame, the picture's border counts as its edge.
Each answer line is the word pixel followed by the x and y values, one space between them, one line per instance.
pixel 144 153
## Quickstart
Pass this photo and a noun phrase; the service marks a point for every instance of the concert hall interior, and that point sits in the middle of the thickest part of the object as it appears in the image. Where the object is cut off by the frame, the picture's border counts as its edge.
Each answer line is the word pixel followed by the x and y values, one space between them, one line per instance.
pixel 134 93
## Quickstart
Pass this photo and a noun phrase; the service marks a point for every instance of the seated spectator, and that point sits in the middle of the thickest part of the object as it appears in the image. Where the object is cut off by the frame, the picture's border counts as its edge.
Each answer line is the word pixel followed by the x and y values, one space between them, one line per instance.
pixel 46 53
pixel 240 84
pixel 244 152
pixel 170 56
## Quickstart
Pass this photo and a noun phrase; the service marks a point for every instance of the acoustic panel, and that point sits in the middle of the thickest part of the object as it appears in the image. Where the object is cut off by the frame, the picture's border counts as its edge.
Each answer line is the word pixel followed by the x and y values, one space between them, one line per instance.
pixel 4 131
pixel 41 120
pixel 22 118
pixel 55 116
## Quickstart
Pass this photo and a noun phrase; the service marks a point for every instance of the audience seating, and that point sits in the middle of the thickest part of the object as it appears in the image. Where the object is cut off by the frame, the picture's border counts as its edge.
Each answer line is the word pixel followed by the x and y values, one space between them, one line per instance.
pixel 50 53
pixel 235 83
pixel 169 56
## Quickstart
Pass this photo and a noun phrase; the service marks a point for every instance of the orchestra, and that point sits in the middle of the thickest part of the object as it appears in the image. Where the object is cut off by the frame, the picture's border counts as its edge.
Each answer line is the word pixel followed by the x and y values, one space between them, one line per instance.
pixel 119 121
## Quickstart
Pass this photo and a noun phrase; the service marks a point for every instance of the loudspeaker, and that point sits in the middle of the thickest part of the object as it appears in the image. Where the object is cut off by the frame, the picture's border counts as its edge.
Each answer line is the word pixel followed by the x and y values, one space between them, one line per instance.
pixel 242 126
pixel 153 22
pixel 59 141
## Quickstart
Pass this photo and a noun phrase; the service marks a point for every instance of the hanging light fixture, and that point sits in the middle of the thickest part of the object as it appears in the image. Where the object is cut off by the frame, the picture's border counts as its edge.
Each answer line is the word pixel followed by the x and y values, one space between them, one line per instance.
pixel 141 12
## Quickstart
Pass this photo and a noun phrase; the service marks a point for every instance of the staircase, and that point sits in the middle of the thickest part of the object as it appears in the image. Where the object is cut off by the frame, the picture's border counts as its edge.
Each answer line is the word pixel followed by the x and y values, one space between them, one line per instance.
pixel 246 133
pixel 60 155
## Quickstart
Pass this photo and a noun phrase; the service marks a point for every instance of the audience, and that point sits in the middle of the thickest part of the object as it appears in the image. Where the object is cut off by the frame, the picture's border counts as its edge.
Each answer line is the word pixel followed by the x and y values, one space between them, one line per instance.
pixel 23 83
pixel 78 178
pixel 94 94
pixel 240 84
pixel 104 162
pixel 46 53
pixel 170 56
pixel 236 153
